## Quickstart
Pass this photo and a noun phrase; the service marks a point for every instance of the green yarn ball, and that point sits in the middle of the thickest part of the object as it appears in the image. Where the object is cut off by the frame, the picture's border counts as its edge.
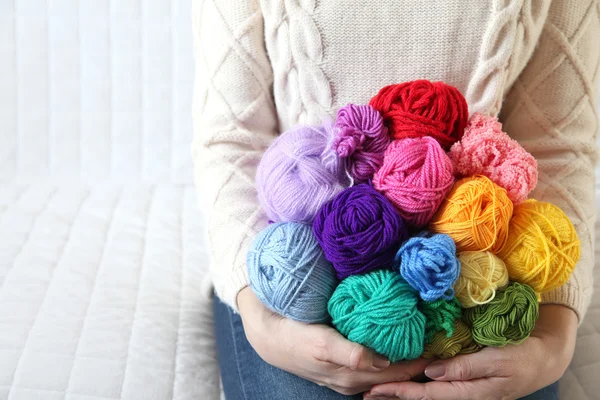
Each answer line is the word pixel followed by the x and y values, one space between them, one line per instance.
pixel 379 310
pixel 508 319
pixel 440 315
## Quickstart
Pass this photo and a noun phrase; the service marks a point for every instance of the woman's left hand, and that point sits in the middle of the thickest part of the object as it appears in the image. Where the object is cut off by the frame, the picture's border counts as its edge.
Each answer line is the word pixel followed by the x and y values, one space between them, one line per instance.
pixel 508 372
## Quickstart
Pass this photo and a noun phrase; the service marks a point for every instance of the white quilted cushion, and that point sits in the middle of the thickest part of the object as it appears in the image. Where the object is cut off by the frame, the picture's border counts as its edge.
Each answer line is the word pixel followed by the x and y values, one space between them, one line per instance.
pixel 102 294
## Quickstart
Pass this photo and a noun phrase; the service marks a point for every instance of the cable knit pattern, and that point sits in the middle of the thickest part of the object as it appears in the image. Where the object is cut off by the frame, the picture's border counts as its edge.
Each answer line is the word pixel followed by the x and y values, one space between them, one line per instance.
pixel 508 41
pixel 302 91
pixel 264 66
pixel 551 111
pixel 234 122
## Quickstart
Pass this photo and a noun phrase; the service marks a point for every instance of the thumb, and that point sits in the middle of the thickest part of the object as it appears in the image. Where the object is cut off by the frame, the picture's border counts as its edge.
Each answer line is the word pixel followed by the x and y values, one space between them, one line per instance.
pixel 352 355
pixel 463 367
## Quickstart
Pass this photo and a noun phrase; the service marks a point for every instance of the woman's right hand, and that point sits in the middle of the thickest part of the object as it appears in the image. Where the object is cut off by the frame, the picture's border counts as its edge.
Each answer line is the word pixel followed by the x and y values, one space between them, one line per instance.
pixel 317 353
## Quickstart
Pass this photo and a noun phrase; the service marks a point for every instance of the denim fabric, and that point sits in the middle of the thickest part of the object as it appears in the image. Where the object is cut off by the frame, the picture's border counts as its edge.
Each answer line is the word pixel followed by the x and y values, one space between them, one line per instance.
pixel 246 376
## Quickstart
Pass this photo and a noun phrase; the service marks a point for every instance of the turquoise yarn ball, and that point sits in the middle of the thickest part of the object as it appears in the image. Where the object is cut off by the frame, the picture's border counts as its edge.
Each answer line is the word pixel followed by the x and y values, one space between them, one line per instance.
pixel 379 310
pixel 289 273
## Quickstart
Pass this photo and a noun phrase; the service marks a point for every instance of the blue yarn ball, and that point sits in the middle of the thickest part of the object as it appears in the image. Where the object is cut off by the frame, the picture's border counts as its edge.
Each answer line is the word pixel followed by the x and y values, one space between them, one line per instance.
pixel 289 273
pixel 429 264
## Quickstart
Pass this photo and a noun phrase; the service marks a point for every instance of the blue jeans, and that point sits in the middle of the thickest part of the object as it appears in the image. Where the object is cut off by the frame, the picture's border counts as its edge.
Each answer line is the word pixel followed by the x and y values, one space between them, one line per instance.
pixel 246 376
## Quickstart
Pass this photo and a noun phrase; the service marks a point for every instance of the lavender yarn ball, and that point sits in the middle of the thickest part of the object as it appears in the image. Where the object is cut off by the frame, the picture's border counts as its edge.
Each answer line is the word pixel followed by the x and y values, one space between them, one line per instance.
pixel 429 264
pixel 289 273
pixel 359 231
pixel 299 173
pixel 361 138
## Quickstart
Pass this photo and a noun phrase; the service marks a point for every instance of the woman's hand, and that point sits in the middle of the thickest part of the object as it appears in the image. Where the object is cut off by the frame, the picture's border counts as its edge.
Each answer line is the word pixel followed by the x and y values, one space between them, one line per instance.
pixel 498 373
pixel 317 353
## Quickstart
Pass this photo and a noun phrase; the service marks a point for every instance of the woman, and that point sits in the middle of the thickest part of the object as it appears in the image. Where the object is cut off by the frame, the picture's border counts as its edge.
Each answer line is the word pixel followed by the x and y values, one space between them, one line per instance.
pixel 265 66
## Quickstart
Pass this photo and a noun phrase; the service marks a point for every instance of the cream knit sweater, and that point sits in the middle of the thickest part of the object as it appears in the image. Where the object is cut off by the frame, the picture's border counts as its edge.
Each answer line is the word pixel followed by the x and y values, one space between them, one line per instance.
pixel 265 66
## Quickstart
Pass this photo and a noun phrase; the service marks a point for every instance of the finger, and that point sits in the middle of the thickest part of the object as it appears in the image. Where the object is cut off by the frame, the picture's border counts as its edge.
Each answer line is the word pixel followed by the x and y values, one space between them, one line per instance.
pixel 394 373
pixel 336 349
pixel 465 367
pixel 430 390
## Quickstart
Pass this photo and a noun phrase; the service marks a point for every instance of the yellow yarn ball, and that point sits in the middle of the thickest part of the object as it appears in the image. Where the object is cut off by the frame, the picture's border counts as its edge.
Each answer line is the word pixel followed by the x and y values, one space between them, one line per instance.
pixel 481 273
pixel 461 342
pixel 543 248
pixel 475 214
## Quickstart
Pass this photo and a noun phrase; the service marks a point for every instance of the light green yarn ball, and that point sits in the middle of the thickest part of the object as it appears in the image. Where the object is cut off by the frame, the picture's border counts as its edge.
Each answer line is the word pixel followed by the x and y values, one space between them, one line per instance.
pixel 379 310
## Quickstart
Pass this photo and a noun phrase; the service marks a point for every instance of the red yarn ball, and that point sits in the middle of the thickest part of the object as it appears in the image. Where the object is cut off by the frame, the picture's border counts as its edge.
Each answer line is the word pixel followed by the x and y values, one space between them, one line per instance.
pixel 423 108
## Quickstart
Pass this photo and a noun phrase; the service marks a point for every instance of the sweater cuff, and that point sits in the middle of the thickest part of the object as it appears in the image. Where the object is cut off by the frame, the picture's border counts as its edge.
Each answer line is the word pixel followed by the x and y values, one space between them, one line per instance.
pixel 237 280
pixel 569 295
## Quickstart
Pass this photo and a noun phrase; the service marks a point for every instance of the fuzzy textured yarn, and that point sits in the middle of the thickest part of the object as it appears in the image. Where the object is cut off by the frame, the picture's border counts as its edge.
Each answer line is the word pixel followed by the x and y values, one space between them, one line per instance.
pixel 423 108
pixel 361 138
pixel 299 173
pixel 542 248
pixel 508 319
pixel 415 176
pixel 461 342
pixel 359 230
pixel 475 214
pixel 289 273
pixel 429 264
pixel 379 310
pixel 486 150
pixel 440 316
pixel 481 274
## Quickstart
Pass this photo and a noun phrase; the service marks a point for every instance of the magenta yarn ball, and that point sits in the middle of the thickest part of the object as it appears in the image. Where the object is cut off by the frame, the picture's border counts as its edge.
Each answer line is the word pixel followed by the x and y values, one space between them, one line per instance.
pixel 361 138
pixel 359 230
pixel 416 176
pixel 299 173
pixel 486 150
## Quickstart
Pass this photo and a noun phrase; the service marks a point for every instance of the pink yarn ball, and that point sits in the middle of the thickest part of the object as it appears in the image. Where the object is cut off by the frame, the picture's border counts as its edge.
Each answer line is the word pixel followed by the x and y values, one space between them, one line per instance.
pixel 486 150
pixel 361 138
pixel 416 176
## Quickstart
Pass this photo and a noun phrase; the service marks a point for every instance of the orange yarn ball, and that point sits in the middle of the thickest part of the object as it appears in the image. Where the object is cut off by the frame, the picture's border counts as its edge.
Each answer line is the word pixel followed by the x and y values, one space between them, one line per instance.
pixel 475 214
pixel 543 247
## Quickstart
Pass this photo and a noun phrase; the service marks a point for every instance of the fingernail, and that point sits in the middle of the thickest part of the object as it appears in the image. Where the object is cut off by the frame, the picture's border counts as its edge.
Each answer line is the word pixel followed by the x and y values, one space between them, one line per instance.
pixel 380 362
pixel 435 371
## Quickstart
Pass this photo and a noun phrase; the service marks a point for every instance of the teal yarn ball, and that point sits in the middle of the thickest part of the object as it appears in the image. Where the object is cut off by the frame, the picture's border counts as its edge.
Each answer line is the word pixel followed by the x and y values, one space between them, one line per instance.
pixel 379 310
pixel 289 273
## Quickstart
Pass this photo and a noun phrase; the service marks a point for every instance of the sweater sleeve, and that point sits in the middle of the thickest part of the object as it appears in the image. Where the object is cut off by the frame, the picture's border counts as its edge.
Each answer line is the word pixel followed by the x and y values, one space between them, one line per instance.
pixel 234 122
pixel 551 110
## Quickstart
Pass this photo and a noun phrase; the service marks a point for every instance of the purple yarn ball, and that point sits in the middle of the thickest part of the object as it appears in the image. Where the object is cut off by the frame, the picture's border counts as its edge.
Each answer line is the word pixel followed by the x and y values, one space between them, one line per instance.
pixel 359 231
pixel 361 137
pixel 299 173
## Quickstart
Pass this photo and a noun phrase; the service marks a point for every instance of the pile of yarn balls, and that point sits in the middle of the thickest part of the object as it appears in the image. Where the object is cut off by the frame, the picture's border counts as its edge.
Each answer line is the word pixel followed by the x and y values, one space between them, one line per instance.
pixel 407 226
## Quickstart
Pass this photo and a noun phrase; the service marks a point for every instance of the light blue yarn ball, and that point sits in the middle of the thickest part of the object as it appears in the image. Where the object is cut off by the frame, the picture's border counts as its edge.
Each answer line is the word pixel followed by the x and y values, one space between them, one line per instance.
pixel 429 264
pixel 289 273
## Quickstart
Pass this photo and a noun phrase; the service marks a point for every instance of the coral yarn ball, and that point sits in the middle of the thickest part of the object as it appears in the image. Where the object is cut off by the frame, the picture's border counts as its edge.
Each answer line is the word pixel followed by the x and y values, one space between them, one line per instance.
pixel 359 231
pixel 416 176
pixel 361 138
pixel 423 108
pixel 289 273
pixel 299 173
pixel 486 150
pixel 542 248
pixel 379 310
pixel 475 214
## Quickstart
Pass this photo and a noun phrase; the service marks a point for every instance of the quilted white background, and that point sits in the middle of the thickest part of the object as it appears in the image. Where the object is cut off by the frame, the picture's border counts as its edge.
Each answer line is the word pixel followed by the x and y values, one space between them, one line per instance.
pixel 103 290
pixel 96 90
